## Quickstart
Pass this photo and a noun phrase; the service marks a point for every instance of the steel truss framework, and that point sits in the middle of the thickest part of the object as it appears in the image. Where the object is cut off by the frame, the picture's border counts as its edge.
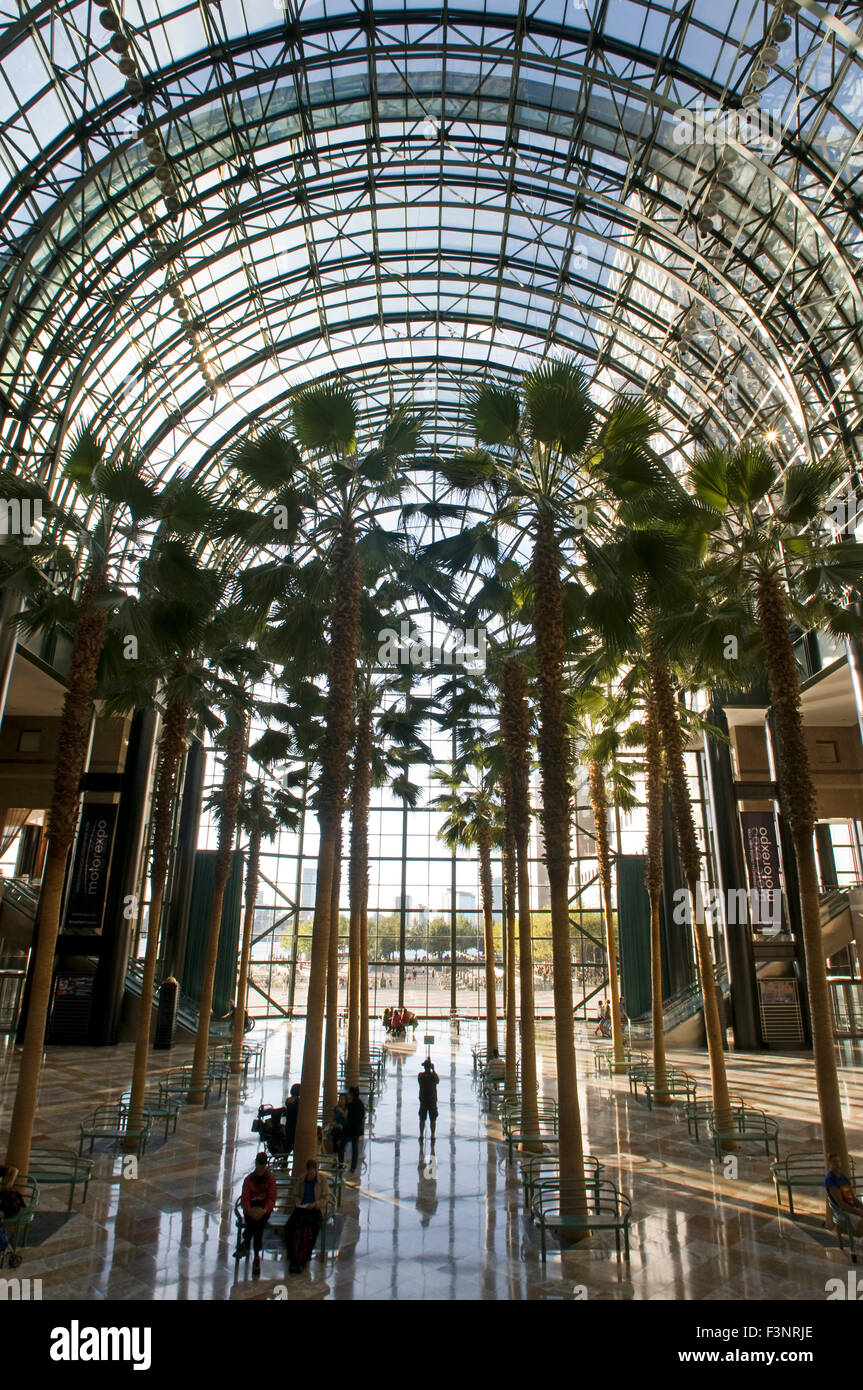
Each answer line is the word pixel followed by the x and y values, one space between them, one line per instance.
pixel 415 196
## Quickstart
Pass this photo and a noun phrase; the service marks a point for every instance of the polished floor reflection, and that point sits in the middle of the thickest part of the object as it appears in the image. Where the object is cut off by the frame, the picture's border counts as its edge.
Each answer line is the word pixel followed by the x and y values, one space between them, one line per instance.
pixel 446 1225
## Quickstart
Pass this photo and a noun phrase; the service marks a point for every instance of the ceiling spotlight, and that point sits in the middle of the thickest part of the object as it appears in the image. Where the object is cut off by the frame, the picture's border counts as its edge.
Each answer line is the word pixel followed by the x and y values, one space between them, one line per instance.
pixel 782 31
pixel 760 78
pixel 771 436
pixel 769 54
pixel 109 20
pixel 750 100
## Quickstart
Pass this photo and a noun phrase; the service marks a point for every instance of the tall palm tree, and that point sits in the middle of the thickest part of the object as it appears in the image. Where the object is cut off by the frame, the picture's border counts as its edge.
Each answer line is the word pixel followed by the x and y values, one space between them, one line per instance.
pixel 263 811
pixel 546 443
pixel 331 1031
pixel 653 882
pixel 116 496
pixel 237 670
pixel 474 820
pixel 599 727
pixel 178 600
pixel 769 546
pixel 515 725
pixel 348 490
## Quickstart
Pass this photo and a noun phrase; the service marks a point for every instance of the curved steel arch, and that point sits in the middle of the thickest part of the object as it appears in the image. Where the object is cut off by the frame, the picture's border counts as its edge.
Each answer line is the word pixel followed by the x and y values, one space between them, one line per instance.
pixel 455 35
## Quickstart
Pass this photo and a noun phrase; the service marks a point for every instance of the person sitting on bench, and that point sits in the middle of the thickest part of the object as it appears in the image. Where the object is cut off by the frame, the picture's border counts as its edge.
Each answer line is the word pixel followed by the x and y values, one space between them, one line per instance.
pixel 495 1067
pixel 839 1189
pixel 257 1199
pixel 310 1195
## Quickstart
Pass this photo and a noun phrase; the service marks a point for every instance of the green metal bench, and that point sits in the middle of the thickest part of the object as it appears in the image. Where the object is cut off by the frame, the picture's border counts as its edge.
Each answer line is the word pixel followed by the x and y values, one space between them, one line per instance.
pixel 274 1232
pixel 799 1170
pixel 845 1223
pixel 749 1127
pixel 511 1114
pixel 159 1107
pixel 545 1133
pixel 608 1209
pixel 679 1083
pixel 17 1227
pixel 178 1082
pixel 697 1112
pixel 539 1170
pixel 61 1168
pixel 112 1122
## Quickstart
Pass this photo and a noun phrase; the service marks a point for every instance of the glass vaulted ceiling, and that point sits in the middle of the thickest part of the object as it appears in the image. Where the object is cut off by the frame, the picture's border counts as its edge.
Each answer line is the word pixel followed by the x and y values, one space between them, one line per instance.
pixel 412 197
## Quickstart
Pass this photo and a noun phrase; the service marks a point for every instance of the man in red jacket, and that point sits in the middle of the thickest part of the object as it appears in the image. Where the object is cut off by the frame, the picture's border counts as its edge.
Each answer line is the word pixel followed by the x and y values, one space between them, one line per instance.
pixel 257 1200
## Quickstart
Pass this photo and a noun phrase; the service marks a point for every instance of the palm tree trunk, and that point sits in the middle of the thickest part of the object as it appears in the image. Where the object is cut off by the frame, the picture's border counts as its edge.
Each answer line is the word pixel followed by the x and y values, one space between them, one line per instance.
pixel 554 758
pixel 72 744
pixel 485 886
pixel 253 866
pixel 359 887
pixel 515 727
pixel 509 886
pixel 653 878
pixel 331 1033
pixel 344 645
pixel 236 741
pixel 799 804
pixel 365 1044
pixel 690 856
pixel 172 743
pixel 599 807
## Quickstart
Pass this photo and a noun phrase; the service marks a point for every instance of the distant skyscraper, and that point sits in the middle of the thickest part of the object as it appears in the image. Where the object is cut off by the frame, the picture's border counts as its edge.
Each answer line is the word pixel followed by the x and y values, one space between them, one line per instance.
pixel 307 889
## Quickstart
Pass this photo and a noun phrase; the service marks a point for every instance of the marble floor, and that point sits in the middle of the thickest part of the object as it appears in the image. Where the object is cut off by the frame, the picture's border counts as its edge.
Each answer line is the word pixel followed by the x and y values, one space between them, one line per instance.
pixel 448 1226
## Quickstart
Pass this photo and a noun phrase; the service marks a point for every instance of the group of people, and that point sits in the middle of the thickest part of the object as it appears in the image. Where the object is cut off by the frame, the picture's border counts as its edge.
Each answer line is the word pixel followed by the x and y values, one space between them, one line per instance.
pixel 309 1193
pixel 396 1021
pixel 258 1199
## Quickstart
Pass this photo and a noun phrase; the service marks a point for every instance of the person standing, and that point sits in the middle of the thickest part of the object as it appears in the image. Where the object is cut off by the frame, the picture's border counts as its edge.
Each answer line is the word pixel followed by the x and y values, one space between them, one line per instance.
pixel 428 1084
pixel 353 1129
pixel 257 1200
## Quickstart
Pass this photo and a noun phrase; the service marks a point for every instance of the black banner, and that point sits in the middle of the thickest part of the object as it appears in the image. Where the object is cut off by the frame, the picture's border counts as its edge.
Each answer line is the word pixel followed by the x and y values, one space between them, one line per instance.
pixel 765 879
pixel 89 881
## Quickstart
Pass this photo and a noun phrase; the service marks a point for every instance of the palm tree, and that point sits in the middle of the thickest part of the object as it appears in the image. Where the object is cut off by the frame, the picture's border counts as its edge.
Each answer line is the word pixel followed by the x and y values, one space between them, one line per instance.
pixel 331 1034
pixel 653 882
pixel 547 443
pixel 348 491
pixel 358 886
pixel 262 813
pixel 515 725
pixel 179 599
pixel 599 722
pixel 769 548
pixel 117 496
pixel 237 670
pixel 474 820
